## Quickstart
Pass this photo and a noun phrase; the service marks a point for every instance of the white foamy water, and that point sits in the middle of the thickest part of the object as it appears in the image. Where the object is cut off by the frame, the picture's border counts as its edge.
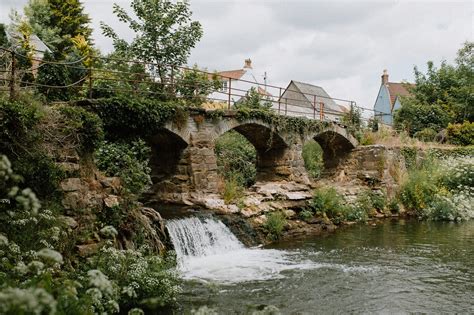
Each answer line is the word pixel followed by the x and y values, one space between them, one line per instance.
pixel 207 250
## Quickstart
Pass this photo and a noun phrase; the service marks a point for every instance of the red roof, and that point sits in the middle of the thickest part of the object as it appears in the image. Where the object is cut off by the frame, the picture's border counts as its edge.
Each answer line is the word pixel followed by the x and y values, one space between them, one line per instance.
pixel 398 89
pixel 233 74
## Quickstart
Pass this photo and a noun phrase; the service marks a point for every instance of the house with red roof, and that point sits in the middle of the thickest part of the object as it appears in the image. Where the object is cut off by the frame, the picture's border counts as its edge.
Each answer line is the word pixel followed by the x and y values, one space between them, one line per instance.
pixel 389 98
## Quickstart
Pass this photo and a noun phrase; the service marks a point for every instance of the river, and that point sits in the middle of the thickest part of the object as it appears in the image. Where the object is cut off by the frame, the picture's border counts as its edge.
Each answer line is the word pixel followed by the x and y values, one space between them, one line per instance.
pixel 396 266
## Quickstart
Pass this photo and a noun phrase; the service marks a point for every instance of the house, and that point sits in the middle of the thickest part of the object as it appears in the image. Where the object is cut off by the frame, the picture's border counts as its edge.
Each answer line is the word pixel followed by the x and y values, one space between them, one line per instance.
pixel 38 47
pixel 307 100
pixel 388 99
pixel 238 83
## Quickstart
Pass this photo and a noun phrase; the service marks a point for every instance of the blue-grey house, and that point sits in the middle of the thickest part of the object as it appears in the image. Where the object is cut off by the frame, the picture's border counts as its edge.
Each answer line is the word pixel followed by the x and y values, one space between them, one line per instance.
pixel 388 99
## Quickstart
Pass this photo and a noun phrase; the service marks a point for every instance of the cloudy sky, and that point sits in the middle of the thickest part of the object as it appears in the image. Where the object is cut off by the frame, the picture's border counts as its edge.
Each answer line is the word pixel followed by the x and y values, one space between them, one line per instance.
pixel 342 46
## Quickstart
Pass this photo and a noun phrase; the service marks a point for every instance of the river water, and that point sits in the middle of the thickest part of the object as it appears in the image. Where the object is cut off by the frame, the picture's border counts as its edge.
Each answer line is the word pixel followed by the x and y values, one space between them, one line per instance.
pixel 393 267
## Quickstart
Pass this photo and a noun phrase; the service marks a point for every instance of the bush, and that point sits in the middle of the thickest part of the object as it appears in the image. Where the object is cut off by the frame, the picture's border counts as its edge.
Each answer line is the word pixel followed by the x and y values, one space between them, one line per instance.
pixel 275 224
pixel 128 161
pixel 461 134
pixel 306 214
pixel 236 159
pixel 313 158
pixel 233 190
pixel 327 200
pixel 132 117
pixel 85 125
pixel 426 135
pixel 418 190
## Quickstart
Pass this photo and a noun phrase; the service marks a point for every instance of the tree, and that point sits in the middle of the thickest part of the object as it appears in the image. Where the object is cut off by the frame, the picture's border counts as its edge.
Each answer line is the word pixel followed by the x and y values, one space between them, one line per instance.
pixel 3 36
pixel 38 14
pixel 443 95
pixel 164 32
pixel 68 16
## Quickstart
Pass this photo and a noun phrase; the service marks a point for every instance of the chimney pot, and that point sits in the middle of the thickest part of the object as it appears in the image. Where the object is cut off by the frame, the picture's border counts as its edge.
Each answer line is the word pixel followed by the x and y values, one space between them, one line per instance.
pixel 385 76
pixel 248 63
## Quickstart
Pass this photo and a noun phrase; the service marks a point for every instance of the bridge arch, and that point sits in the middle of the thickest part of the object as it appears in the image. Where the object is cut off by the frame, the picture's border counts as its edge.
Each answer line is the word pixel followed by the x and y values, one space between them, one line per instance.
pixel 169 162
pixel 336 143
pixel 271 146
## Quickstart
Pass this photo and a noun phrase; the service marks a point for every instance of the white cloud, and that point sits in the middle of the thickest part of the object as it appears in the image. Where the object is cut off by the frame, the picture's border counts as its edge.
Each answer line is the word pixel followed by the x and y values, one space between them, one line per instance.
pixel 340 45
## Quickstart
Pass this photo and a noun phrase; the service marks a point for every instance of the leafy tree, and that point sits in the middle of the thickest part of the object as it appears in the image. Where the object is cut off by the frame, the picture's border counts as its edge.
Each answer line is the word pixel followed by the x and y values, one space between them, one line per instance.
pixel 353 118
pixel 164 32
pixel 254 99
pixel 195 85
pixel 38 14
pixel 3 36
pixel 68 16
pixel 443 95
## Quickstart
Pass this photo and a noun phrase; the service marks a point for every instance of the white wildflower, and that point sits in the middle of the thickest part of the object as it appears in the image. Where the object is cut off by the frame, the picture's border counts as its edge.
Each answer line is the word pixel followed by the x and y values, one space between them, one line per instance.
pixel 50 255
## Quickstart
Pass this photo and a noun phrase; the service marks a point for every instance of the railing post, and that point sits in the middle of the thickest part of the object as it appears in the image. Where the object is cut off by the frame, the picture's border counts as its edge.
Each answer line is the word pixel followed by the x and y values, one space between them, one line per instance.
pixel 12 79
pixel 321 111
pixel 286 106
pixel 314 107
pixel 230 92
pixel 279 102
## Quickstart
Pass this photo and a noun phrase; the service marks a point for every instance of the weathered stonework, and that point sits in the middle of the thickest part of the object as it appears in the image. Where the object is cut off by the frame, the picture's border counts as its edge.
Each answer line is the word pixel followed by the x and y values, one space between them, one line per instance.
pixel 184 163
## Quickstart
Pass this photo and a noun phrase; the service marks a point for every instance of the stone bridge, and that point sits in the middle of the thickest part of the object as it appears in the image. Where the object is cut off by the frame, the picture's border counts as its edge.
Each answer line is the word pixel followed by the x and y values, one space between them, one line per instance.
pixel 184 162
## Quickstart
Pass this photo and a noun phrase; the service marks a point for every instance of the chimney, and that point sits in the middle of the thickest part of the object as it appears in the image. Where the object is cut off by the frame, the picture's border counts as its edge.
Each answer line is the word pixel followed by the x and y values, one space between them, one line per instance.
pixel 248 64
pixel 385 77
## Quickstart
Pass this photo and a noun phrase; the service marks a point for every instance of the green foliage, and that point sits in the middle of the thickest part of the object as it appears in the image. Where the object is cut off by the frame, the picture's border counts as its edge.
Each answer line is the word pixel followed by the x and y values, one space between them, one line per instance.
pixel 233 189
pixel 275 224
pixel 327 200
pixel 128 161
pixel 306 214
pixel 69 20
pixel 254 99
pixel 461 134
pixel 313 158
pixel 236 159
pixel 426 135
pixel 86 126
pixel 418 190
pixel 132 117
pixel 164 32
pixel 353 119
pixel 443 95
pixel 3 36
pixel 145 280
pixel 414 116
pixel 38 14
pixel 35 278
pixel 194 85
pixel 52 76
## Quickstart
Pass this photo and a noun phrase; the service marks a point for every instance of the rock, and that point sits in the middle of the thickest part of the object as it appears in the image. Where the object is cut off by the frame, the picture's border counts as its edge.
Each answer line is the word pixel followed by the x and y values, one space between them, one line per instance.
pixel 112 183
pixel 298 195
pixel 233 209
pixel 72 200
pixel 71 184
pixel 260 219
pixel 69 167
pixel 292 186
pixel 69 221
pixel 213 203
pixel 111 201
pixel 251 201
pixel 290 214
pixel 88 249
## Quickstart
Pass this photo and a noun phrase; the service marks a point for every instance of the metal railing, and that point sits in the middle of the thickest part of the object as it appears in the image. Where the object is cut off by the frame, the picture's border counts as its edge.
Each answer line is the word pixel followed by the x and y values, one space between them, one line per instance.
pixel 169 81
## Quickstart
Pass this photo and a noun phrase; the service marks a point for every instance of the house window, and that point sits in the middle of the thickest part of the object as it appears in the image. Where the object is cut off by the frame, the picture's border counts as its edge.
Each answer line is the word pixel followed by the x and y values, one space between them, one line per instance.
pixel 224 86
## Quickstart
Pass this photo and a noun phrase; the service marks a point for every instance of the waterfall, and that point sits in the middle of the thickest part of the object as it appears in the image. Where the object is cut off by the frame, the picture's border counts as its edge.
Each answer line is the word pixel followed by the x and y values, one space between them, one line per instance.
pixel 207 250
pixel 195 237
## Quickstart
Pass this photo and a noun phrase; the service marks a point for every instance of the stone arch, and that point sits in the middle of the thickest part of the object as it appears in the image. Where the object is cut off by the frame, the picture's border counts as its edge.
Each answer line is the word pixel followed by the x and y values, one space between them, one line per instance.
pixel 271 146
pixel 170 163
pixel 336 143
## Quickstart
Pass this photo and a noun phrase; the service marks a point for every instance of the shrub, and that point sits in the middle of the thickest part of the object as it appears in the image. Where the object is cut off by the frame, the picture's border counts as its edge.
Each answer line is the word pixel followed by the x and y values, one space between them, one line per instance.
pixel 275 224
pixel 132 117
pixel 327 200
pixel 426 135
pixel 236 158
pixel 457 174
pixel 461 134
pixel 306 214
pixel 128 161
pixel 313 158
pixel 418 190
pixel 85 125
pixel 233 190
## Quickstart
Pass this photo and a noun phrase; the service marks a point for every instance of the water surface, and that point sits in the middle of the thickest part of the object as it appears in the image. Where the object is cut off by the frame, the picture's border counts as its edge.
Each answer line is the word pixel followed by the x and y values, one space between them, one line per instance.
pixel 394 267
